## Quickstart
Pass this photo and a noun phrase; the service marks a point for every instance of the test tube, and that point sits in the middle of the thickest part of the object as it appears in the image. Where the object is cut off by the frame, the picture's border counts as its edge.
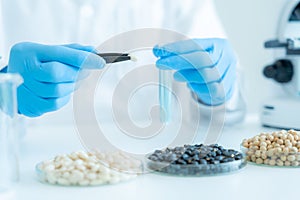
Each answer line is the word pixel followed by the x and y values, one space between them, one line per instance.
pixel 9 124
pixel 165 94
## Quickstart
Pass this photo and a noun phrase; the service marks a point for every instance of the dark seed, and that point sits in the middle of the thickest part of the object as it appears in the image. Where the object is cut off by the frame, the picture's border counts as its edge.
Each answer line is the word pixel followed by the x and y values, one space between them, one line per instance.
pixel 185 156
pixel 202 162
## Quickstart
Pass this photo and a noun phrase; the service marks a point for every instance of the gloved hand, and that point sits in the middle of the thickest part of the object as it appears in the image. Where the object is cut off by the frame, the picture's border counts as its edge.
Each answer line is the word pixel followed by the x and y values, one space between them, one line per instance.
pixel 207 65
pixel 49 73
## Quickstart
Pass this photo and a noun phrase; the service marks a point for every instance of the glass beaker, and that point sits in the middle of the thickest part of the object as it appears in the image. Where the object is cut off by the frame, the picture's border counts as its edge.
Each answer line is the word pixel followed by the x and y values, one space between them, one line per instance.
pixel 9 130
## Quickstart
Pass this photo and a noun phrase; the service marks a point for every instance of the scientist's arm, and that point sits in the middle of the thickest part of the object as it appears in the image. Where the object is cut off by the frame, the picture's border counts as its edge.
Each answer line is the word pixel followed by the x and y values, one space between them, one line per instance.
pixel 50 73
pixel 209 67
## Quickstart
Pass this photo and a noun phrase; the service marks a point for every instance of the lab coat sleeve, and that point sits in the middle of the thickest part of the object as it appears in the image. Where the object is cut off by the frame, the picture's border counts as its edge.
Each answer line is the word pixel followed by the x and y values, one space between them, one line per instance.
pixel 206 22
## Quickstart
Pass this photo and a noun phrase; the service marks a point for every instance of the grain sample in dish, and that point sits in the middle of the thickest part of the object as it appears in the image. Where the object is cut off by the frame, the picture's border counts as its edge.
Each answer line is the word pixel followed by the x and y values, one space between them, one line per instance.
pixel 196 160
pixel 280 148
pixel 88 168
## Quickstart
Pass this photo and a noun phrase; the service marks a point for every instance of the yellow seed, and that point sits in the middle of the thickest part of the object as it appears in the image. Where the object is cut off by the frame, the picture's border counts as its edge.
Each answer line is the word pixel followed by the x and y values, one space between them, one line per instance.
pixel 274 157
pixel 279 162
pixel 286 151
pixel 245 144
pixel 255 148
pixel 262 138
pixel 280 141
pixel 266 161
pixel 263 144
pixel 259 161
pixel 294 150
pixel 283 158
pixel 287 163
pixel 248 158
pixel 272 162
pixel 290 137
pixel 257 153
pixel 270 138
pixel 276 145
pixel 296 137
pixel 287 141
pixel 291 158
pixel 270 152
pixel 263 148
pixel 284 136
pixel 295 163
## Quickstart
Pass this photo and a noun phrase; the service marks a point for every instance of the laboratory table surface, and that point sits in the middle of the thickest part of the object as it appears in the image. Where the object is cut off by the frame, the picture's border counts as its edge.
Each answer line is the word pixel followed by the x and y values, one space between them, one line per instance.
pixel 252 182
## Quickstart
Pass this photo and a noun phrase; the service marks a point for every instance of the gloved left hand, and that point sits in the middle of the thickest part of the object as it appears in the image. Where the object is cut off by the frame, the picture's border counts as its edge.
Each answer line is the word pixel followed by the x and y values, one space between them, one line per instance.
pixel 207 65
pixel 50 73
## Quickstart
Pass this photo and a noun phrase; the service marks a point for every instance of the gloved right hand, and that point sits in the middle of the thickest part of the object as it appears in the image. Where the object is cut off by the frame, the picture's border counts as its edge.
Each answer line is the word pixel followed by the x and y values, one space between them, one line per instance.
pixel 50 73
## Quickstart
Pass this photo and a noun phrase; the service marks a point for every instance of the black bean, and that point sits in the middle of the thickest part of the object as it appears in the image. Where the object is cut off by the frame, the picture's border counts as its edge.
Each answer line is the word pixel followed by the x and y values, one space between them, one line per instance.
pixel 157 151
pixel 171 157
pixel 180 161
pixel 215 162
pixel 152 157
pixel 189 152
pixel 185 156
pixel 198 153
pixel 219 152
pixel 214 145
pixel 238 157
pixel 202 161
pixel 196 157
pixel 219 158
pixel 213 154
pixel 220 148
pixel 195 162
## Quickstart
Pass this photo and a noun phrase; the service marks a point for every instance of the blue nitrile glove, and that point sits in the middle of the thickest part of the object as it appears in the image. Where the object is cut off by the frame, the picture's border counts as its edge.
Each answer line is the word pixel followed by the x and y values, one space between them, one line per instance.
pixel 207 65
pixel 50 73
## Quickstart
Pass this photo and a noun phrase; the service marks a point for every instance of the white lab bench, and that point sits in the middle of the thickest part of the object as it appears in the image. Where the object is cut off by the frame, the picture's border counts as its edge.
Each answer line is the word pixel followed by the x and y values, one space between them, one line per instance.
pixel 253 182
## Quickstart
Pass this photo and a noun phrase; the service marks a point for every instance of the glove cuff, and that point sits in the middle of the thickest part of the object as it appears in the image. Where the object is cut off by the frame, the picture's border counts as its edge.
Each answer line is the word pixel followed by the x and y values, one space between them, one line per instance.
pixel 3 70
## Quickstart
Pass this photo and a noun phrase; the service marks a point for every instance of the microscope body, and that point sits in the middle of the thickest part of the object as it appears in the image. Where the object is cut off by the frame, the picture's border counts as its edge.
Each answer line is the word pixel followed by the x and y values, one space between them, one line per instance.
pixel 283 109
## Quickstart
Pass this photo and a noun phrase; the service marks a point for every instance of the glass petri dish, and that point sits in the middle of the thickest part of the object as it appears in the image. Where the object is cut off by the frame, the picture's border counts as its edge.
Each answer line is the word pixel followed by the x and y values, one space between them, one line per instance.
pixel 195 170
pixel 56 178
pixel 272 159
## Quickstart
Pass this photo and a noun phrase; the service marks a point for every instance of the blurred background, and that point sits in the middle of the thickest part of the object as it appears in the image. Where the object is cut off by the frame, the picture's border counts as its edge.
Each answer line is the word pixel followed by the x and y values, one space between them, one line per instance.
pixel 248 25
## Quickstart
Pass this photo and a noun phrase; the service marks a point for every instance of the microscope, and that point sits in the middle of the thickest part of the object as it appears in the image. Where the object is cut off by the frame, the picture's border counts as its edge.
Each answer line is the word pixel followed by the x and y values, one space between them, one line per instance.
pixel 282 110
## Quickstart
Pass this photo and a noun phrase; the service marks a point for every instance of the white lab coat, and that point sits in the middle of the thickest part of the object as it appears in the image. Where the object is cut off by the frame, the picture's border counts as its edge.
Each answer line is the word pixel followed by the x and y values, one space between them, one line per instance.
pixel 92 22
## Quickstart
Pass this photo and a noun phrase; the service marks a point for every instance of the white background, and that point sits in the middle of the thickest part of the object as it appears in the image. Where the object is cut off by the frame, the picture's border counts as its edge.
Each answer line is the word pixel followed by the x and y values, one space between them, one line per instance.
pixel 248 24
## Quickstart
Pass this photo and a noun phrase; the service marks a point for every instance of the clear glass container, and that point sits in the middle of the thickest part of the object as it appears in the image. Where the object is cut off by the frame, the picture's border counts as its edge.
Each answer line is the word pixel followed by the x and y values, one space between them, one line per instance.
pixel 195 170
pixel 272 158
pixel 114 178
pixel 9 132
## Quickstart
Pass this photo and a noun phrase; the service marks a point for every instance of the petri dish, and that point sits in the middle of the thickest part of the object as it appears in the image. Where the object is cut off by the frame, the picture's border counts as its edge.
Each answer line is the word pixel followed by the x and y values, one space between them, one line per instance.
pixel 86 169
pixel 196 169
pixel 274 159
pixel 55 178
